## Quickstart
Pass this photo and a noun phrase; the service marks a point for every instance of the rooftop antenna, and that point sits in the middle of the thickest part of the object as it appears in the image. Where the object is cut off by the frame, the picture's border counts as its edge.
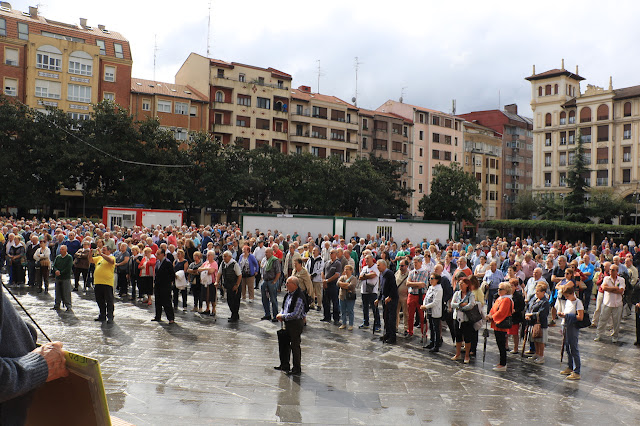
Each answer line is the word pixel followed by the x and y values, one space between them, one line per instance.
pixel 320 73
pixel 402 93
pixel 155 54
pixel 453 107
pixel 209 31
pixel 356 65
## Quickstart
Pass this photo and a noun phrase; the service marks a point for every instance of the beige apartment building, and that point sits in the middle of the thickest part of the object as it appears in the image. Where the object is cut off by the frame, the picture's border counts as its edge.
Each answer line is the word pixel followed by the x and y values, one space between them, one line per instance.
pixel 483 159
pixel 608 121
pixel 323 125
pixel 248 105
pixel 437 139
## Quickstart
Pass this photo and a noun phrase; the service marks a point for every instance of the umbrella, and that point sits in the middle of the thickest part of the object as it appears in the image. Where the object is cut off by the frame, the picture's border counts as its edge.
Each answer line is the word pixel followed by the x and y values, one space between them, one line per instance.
pixel 485 334
pixel 524 342
pixel 562 347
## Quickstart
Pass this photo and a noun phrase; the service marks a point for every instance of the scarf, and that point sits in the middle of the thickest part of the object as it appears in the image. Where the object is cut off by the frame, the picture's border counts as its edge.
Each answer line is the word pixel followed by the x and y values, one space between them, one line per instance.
pixel 270 263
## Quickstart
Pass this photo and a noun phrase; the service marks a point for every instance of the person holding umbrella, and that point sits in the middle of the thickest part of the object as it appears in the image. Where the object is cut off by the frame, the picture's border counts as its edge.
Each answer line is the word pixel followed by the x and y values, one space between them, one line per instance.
pixel 500 312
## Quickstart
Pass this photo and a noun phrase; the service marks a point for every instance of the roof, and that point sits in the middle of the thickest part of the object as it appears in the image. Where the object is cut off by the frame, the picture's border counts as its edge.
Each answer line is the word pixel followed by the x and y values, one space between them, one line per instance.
pixel 151 87
pixel 94 31
pixel 231 65
pixel 372 113
pixel 481 127
pixel 304 96
pixel 554 73
pixel 419 108
pixel 627 92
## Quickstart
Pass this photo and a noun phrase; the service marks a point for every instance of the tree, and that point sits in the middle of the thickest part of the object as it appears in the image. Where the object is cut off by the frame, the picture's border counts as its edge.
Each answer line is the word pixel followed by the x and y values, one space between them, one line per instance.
pixel 453 195
pixel 575 200
pixel 525 206
pixel 606 206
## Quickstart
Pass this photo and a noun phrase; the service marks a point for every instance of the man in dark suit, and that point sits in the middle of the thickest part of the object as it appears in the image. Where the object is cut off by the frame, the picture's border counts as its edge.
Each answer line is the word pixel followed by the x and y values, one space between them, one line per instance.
pixel 389 296
pixel 162 286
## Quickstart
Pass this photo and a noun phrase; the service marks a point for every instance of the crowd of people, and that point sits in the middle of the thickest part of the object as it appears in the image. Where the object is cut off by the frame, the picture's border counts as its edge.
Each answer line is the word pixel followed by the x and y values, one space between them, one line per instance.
pixel 520 287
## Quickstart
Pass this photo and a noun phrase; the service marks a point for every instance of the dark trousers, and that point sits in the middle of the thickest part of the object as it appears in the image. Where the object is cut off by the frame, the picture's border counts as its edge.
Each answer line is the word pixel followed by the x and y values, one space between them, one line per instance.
pixel 76 277
pixel 176 291
pixel 134 286
pixel 233 300
pixel 123 284
pixel 42 276
pixel 434 328
pixel 501 341
pixel 257 280
pixel 163 300
pixel 31 268
pixel 367 302
pixel 196 289
pixel 447 317
pixel 390 311
pixel 586 295
pixel 104 299
pixel 637 325
pixel 330 297
pixel 289 342
pixel 474 341
pixel 491 294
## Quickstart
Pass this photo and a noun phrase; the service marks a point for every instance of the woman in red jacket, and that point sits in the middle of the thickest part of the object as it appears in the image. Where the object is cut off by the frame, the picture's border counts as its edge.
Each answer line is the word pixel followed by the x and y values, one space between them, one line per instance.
pixel 501 309
pixel 147 269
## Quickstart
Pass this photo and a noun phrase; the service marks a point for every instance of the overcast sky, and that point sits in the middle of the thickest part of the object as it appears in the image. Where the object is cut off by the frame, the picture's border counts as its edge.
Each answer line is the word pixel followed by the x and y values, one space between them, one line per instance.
pixel 475 52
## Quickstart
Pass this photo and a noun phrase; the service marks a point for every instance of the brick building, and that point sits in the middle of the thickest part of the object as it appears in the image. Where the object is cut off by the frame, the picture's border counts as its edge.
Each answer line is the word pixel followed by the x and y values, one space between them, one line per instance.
pixel 517 149
pixel 49 63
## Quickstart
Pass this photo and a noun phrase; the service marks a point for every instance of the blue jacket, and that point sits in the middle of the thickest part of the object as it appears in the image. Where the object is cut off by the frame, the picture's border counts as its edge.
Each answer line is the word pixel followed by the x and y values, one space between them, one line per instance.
pixel 253 263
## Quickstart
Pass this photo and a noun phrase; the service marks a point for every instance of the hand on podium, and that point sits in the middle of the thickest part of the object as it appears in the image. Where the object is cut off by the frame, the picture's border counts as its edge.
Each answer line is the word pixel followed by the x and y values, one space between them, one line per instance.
pixel 53 354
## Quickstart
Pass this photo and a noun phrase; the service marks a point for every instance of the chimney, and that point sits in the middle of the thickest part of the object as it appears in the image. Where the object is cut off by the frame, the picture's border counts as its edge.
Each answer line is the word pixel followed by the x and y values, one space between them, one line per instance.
pixel 102 27
pixel 511 108
pixel 5 4
pixel 577 70
pixel 83 22
pixel 562 64
pixel 534 70
pixel 304 89
pixel 33 11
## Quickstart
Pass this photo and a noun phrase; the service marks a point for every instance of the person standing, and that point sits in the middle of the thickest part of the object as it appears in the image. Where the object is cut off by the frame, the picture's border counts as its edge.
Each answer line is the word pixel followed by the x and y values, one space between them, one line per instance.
pixel 249 266
pixel 81 265
pixel 230 276
pixel 490 282
pixel 432 305
pixel 164 277
pixel 62 270
pixel 389 297
pixel 315 266
pixel 369 274
pixel 347 283
pixel 43 264
pixel 330 275
pixel 271 272
pixel 403 293
pixel 500 310
pixel 122 264
pixel 570 310
pixel 416 283
pixel 613 287
pixel 103 278
pixel 292 315
pixel 32 246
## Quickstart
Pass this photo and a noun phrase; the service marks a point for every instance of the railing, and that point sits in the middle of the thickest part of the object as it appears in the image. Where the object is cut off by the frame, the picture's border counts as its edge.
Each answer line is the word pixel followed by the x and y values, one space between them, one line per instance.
pixel 602 161
pixel 626 134
pixel 626 158
pixel 305 114
pixel 602 181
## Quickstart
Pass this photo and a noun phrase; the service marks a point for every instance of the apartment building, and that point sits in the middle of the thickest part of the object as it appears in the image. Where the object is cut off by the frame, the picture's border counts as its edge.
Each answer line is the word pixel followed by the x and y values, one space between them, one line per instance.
pixel 483 159
pixel 48 63
pixel 517 149
pixel 607 120
pixel 323 125
pixel 388 136
pixel 248 105
pixel 181 109
pixel 437 139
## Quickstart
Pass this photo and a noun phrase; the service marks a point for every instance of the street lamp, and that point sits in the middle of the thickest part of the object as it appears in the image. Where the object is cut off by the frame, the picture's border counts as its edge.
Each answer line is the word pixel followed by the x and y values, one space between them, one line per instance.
pixel 504 205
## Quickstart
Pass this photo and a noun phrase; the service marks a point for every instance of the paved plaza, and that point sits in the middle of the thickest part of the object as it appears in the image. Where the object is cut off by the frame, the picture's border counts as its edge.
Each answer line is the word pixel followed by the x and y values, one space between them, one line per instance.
pixel 201 372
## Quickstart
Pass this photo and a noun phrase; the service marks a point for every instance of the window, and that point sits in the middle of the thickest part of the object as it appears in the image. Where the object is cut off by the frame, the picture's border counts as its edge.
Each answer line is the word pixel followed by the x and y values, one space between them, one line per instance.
pixel 146 105
pixel 572 117
pixel 540 91
pixel 585 135
pixel 109 96
pixel 263 103
pixel 220 73
pixel 364 143
pixel 602 178
pixel 217 118
pixel 319 112
pixel 602 156
pixel 435 154
pixel 181 135
pixel 49 58
pixel 365 124
pixel 547 179
pixel 420 188
pixel 435 120
pixel 11 87
pixel 280 84
pixel 243 100
pixel 627 132
pixel 626 176
pixel 603 112
pixel 547 159
pixel 243 121
pixel 555 89
pixel 547 139
pixel 447 156
pixel 562 160
pixel 78 93
pixel 80 63
pixel 420 170
pixel 242 78
pixel 421 137
pixel 102 46
pixel 572 137
pixel 436 137
pixel 3 27
pixel 181 108
pixel 563 138
pixel 23 31
pixel 627 109
pixel 118 49
pixel 547 90
pixel 603 133
pixel 447 139
pixel 585 115
pixel 11 56
pixel 547 119
pixel 219 96
pixel 563 118
pixel 79 117
pixel 626 154
pixel 193 111
pixel 164 106
pixel 261 123
pixel 110 73
pixel 421 118
pixel 420 152
pixel 48 89
pixel 62 37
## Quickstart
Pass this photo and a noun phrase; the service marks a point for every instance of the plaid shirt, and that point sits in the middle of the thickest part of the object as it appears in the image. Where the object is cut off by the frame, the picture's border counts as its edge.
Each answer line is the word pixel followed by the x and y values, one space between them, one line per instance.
pixel 418 275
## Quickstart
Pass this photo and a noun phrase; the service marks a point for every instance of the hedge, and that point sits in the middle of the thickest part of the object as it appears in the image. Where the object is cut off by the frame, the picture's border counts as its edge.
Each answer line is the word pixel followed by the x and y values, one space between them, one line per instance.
pixel 551 225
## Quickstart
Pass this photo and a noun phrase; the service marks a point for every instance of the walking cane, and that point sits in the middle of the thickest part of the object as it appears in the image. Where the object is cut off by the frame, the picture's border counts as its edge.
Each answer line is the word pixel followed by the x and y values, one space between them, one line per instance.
pixel 524 341
pixel 485 334
pixel 562 347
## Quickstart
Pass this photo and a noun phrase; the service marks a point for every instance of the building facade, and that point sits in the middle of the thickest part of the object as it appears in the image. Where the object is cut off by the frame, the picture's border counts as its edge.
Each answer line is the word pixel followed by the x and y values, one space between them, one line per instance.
pixel 48 63
pixel 437 139
pixel 483 159
pixel 517 149
pixel 180 109
pixel 323 125
pixel 606 119
pixel 248 105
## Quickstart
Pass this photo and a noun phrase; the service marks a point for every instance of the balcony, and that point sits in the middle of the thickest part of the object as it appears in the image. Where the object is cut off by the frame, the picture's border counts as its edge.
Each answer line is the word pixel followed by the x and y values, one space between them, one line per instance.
pixel 222 128
pixel 547 184
pixel 626 157
pixel 602 181
pixel 585 139
pixel 602 161
pixel 626 134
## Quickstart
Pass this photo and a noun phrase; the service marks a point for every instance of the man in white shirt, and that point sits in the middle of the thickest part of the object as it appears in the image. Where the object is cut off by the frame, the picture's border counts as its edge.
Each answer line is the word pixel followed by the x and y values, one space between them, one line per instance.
pixel 530 289
pixel 369 290
pixel 613 287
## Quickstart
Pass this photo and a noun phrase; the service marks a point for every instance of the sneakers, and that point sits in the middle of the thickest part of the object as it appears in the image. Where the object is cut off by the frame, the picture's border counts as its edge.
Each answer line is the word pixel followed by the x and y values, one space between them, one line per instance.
pixel 350 328
pixel 376 328
pixel 539 360
pixel 573 376
pixel 500 368
pixel 342 327
pixel 363 326
pixel 567 371
pixel 596 339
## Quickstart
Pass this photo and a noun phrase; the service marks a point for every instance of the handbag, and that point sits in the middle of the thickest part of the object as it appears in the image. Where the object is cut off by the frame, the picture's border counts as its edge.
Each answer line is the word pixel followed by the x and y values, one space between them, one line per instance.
pixel 536 331
pixel 507 322
pixel 473 314
pixel 351 295
pixel 586 321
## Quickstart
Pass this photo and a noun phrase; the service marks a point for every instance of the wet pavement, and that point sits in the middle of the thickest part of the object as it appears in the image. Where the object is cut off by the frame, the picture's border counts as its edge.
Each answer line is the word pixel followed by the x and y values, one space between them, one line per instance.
pixel 203 372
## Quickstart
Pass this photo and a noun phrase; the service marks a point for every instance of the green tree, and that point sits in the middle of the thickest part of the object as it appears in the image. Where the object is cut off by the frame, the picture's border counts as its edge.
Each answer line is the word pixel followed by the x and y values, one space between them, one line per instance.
pixel 574 201
pixel 453 195
pixel 526 205
pixel 604 204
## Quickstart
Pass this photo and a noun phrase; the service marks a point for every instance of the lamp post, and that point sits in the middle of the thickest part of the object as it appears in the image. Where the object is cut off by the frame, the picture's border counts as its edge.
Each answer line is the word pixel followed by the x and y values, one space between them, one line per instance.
pixel 504 205
pixel 562 196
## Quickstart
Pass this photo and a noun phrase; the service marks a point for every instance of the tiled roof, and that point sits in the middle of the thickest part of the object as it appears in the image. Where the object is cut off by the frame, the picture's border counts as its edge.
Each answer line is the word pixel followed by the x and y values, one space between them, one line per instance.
pixel 554 73
pixel 627 92
pixel 231 65
pixel 372 113
pixel 94 31
pixel 419 108
pixel 304 96
pixel 151 87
